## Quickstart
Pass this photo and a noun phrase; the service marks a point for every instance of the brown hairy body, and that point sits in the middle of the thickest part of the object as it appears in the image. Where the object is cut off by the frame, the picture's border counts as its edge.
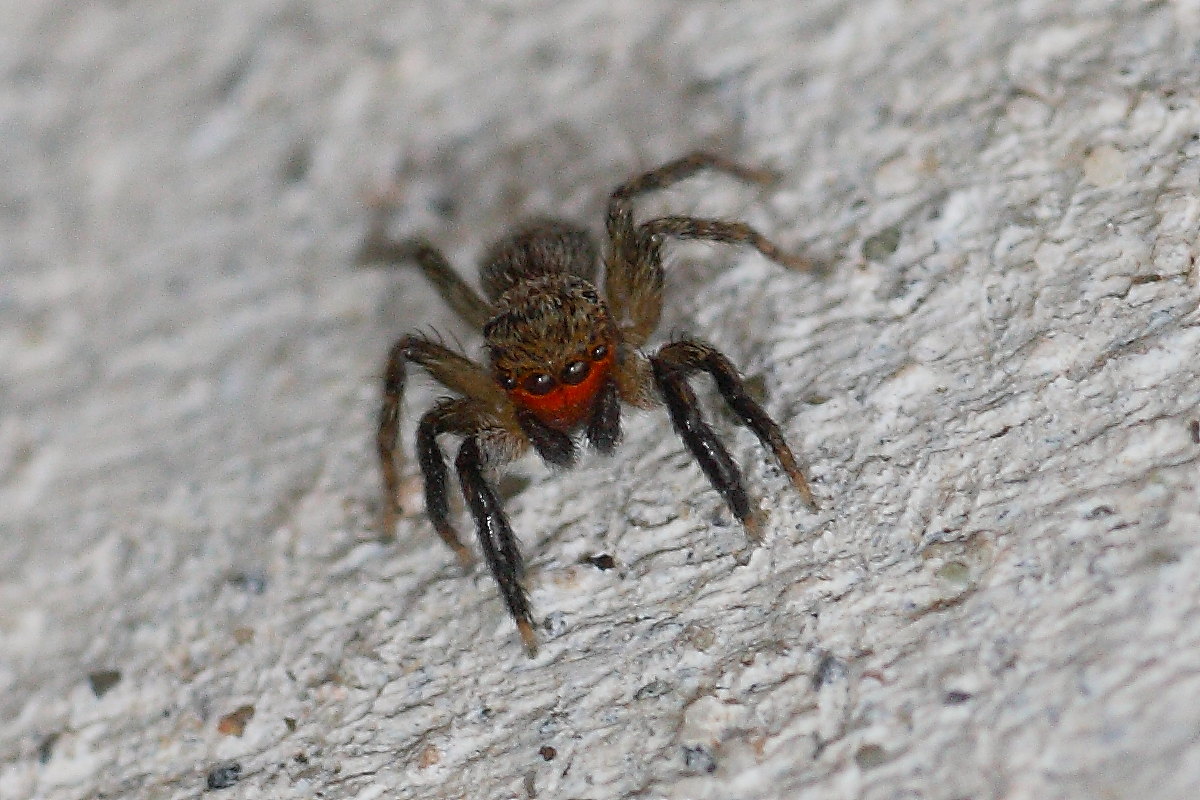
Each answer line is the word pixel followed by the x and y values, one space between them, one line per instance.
pixel 562 358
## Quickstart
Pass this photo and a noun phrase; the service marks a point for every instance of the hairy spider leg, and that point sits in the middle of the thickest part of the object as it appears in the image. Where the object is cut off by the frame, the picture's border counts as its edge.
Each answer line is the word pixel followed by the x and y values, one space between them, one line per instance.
pixel 456 292
pixel 725 232
pixel 688 356
pixel 486 442
pixel 457 373
pixel 714 458
pixel 496 538
pixel 448 416
pixel 634 273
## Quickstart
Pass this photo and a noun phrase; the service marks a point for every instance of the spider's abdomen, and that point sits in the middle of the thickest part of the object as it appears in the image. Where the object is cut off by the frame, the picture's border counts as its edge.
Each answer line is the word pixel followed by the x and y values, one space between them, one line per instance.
pixel 540 248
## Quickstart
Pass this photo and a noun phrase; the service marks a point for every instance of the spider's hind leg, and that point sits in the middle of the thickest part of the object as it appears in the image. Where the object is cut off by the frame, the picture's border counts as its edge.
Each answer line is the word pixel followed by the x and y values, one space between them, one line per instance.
pixel 725 232
pixel 378 248
pixel 683 168
pixel 634 274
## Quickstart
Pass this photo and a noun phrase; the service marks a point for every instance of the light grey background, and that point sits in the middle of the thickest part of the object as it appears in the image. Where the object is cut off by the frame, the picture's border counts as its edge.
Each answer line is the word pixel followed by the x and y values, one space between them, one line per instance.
pixel 995 389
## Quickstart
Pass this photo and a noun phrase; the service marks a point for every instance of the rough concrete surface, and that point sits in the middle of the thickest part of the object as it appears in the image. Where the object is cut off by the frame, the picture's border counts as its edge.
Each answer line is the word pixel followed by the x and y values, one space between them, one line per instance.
pixel 995 388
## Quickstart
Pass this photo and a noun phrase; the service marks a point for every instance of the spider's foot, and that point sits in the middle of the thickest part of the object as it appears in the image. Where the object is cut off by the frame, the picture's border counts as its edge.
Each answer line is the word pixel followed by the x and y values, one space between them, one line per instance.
pixel 797 263
pixel 528 637
pixel 760 175
pixel 465 559
pixel 801 484
pixel 387 521
pixel 450 537
pixel 753 523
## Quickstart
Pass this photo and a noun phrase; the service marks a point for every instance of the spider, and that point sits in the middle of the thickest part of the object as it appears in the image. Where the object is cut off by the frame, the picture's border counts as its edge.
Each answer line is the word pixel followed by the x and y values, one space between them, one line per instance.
pixel 562 358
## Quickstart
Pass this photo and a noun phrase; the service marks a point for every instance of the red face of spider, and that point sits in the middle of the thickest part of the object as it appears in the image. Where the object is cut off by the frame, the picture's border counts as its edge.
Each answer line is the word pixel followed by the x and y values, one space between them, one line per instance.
pixel 552 347
pixel 564 399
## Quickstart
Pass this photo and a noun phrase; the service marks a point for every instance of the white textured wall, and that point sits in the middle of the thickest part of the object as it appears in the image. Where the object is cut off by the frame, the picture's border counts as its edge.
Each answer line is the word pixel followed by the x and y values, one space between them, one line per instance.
pixel 995 387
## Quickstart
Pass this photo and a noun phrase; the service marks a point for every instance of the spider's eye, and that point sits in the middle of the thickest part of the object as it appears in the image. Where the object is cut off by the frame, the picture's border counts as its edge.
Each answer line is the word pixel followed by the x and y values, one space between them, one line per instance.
pixel 507 382
pixel 575 372
pixel 538 383
pixel 599 351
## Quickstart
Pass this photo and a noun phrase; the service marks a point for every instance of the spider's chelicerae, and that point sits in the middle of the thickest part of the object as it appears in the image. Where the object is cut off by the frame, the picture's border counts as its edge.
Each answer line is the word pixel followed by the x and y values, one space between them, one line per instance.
pixel 562 358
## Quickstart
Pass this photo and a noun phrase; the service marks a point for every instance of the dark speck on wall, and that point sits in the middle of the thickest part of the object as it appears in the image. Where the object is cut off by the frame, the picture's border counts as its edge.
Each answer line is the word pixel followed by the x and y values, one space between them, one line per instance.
pixel 224 776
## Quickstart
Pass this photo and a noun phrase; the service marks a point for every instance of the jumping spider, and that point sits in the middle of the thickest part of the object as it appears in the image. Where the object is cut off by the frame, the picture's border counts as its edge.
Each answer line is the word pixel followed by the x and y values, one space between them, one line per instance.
pixel 562 358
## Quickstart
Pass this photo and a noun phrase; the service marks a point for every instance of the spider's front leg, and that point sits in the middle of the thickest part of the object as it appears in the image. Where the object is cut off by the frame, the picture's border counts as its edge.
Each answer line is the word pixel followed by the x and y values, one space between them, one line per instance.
pixel 496 536
pixel 672 366
pixel 442 418
pixel 491 437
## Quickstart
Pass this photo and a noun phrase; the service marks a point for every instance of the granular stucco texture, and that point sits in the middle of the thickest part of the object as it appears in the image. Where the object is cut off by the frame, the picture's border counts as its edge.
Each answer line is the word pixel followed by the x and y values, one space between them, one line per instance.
pixel 994 386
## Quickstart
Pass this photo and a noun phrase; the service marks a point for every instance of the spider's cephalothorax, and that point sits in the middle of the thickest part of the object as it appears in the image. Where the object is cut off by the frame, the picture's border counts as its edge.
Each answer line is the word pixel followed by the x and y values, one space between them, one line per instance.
pixel 562 360
pixel 551 344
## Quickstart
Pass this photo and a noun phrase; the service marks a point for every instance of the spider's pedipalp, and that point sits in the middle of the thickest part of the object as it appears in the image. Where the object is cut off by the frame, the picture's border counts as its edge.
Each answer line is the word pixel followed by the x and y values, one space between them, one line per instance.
pixel 604 428
pixel 554 446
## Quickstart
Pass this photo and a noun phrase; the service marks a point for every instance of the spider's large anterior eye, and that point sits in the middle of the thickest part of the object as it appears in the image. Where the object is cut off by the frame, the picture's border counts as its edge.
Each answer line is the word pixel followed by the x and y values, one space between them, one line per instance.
pixel 538 383
pixel 599 352
pixel 507 382
pixel 575 372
